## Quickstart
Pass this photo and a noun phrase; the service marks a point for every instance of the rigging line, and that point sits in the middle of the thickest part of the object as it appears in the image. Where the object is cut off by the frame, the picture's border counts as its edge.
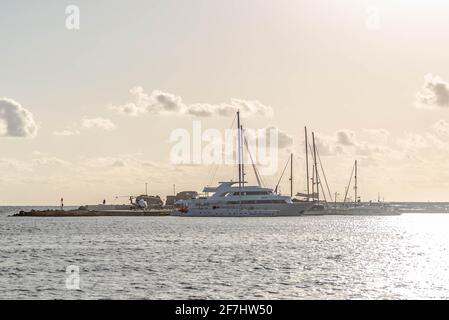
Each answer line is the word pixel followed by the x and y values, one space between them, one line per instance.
pixel 213 170
pixel 259 178
pixel 324 175
pixel 314 173
pixel 321 186
pixel 318 180
pixel 262 181
pixel 277 185
pixel 299 168
pixel 256 173
pixel 349 184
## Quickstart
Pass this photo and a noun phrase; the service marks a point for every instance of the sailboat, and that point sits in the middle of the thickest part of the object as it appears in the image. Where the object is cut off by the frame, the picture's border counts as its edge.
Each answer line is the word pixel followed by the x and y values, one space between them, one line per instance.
pixel 312 196
pixel 359 208
pixel 238 199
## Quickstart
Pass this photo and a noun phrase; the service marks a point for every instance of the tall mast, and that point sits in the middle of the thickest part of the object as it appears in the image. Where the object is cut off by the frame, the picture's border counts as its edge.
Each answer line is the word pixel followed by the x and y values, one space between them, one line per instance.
pixel 316 168
pixel 355 181
pixel 291 175
pixel 313 182
pixel 240 159
pixel 243 162
pixel 307 163
pixel 238 150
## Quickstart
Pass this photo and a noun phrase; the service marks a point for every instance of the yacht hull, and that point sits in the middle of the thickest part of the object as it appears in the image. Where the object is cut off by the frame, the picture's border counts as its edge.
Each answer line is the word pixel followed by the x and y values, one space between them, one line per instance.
pixel 364 211
pixel 277 210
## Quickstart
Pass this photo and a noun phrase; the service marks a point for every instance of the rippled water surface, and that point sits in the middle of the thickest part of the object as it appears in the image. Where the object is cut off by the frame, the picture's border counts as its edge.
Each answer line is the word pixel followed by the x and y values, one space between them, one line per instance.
pixel 325 257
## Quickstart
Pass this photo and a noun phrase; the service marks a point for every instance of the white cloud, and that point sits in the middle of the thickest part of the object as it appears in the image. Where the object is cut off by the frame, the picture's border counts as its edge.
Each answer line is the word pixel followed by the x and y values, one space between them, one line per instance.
pixel 98 123
pixel 284 140
pixel 378 134
pixel 50 162
pixel 434 94
pixel 441 127
pixel 431 144
pixel 159 102
pixel 15 120
pixel 326 145
pixel 66 133
pixel 7 165
pixel 344 141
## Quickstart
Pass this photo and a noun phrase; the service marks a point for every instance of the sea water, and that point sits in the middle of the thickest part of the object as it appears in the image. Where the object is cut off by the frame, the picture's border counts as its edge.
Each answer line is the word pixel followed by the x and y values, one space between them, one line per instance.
pixel 314 257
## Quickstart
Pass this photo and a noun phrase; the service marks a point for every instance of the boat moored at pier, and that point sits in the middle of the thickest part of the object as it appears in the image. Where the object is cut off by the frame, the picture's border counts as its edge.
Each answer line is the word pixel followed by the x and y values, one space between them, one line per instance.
pixel 229 200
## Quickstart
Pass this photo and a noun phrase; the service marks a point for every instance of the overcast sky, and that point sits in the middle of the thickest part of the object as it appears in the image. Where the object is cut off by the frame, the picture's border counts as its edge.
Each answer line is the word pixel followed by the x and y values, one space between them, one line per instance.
pixel 87 114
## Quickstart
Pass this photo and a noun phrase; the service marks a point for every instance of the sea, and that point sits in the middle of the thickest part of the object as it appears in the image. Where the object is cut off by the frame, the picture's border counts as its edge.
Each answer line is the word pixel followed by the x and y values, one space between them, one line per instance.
pixel 313 257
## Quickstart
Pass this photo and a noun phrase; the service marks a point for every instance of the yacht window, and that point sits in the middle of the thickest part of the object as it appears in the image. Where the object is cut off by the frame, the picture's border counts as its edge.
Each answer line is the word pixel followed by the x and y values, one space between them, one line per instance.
pixel 257 201
pixel 252 193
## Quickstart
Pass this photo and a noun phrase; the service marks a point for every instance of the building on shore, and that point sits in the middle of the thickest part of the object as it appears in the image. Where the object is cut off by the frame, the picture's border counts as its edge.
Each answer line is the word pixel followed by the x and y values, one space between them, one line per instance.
pixel 183 195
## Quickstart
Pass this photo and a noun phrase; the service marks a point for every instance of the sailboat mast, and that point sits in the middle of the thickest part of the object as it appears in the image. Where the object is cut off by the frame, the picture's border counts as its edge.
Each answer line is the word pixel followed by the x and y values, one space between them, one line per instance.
pixel 307 164
pixel 316 168
pixel 291 175
pixel 243 162
pixel 239 138
pixel 238 150
pixel 355 181
pixel 313 182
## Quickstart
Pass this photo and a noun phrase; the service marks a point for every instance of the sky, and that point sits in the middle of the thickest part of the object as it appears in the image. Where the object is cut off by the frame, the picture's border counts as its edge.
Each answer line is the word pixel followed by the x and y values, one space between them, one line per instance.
pixel 87 113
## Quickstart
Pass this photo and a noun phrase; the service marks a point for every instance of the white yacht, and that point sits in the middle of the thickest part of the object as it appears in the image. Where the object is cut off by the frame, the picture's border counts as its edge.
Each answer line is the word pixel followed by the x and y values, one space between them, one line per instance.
pixel 229 200
pixel 237 199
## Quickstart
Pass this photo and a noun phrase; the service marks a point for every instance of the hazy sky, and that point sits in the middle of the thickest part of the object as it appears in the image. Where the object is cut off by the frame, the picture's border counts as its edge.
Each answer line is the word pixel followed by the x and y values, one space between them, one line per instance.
pixel 369 77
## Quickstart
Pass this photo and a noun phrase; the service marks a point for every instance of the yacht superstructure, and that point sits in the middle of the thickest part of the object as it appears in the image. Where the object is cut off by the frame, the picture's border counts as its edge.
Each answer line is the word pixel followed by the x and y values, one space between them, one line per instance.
pixel 227 199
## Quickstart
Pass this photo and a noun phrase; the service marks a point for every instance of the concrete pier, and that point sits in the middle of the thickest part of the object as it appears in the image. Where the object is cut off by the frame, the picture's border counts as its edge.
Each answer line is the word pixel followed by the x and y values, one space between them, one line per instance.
pixel 93 213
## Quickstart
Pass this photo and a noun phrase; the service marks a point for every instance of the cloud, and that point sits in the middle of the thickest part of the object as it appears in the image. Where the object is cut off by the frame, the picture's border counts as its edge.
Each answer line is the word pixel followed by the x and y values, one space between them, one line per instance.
pixel 119 163
pixel 379 134
pixel 9 165
pixel 441 127
pixel 128 160
pixel 98 123
pixel 16 121
pixel 51 162
pixel 327 145
pixel 434 94
pixel 413 142
pixel 284 139
pixel 346 137
pixel 86 123
pixel 344 141
pixel 159 102
pixel 67 133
